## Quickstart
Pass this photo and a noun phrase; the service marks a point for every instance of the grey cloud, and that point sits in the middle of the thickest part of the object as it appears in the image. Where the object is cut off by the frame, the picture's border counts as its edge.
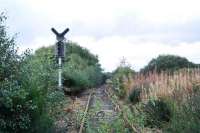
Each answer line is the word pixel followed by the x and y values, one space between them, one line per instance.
pixel 30 25
pixel 131 26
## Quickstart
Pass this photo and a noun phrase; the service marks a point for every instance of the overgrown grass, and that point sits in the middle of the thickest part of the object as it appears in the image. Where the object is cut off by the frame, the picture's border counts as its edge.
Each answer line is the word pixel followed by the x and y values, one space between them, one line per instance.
pixel 166 101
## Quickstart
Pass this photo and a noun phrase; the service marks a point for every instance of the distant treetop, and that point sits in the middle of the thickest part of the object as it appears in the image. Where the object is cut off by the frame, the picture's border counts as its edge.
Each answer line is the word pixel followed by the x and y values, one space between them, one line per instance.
pixel 168 63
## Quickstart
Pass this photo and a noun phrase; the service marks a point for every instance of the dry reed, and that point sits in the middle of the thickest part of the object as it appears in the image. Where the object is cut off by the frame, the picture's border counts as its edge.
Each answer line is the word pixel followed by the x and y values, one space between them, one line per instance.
pixel 177 85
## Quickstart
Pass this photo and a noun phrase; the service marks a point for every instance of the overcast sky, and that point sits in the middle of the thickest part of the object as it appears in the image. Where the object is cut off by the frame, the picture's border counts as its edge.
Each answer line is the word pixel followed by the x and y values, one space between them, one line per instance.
pixel 137 30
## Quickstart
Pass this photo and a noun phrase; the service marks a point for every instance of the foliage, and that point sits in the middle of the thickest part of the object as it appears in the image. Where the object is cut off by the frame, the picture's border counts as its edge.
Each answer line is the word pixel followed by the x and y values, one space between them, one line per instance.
pixel 14 106
pixel 134 96
pixel 157 112
pixel 73 48
pixel 186 116
pixel 81 68
pixel 167 63
pixel 168 102
pixel 41 67
pixel 106 77
pixel 26 88
pixel 121 76
pixel 8 54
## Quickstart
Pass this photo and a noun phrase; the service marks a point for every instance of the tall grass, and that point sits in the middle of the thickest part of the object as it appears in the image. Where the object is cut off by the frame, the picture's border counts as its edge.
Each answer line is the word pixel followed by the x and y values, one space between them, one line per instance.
pixel 170 101
pixel 178 85
pixel 165 101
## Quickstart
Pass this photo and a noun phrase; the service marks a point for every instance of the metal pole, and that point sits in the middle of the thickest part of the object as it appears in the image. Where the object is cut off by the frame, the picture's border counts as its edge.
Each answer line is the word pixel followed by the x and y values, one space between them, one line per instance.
pixel 60 72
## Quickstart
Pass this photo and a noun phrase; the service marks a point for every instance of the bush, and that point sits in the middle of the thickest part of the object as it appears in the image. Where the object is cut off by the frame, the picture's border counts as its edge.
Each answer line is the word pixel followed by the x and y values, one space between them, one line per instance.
pixel 134 96
pixel 157 113
pixel 15 108
pixel 168 63
pixel 25 83
pixel 186 116
pixel 106 76
pixel 119 87
pixel 76 80
pixel 121 76
pixel 81 69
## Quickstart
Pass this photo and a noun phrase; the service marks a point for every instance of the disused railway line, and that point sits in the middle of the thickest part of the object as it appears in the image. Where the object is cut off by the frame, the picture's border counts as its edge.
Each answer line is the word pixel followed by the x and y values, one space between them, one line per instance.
pixel 105 111
pixel 118 108
pixel 85 113
pixel 108 111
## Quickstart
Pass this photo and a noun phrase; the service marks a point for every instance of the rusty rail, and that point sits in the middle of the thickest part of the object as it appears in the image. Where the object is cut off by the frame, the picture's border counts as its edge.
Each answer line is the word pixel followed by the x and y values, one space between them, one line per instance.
pixel 117 105
pixel 85 113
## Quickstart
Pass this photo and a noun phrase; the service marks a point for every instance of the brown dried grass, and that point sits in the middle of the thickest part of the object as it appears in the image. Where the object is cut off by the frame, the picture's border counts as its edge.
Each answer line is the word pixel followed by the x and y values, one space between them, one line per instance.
pixel 177 85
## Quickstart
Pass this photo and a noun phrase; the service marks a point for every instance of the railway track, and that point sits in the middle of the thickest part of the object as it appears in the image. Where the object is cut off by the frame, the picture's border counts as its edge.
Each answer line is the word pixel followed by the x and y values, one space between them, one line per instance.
pixel 91 108
pixel 119 107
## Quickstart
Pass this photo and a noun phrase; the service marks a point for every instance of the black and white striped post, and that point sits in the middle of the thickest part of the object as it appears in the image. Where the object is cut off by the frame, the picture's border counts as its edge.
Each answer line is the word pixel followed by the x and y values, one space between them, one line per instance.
pixel 60 52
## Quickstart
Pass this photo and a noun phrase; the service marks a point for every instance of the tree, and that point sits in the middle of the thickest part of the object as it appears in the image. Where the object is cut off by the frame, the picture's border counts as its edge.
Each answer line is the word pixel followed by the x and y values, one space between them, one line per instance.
pixel 81 69
pixel 23 95
pixel 167 63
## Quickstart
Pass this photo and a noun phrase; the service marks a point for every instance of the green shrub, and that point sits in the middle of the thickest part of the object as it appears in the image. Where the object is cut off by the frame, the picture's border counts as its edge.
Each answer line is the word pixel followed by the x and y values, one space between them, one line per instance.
pixel 106 77
pixel 157 113
pixel 25 82
pixel 186 116
pixel 168 63
pixel 119 87
pixel 119 76
pixel 134 96
pixel 81 69
pixel 76 80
